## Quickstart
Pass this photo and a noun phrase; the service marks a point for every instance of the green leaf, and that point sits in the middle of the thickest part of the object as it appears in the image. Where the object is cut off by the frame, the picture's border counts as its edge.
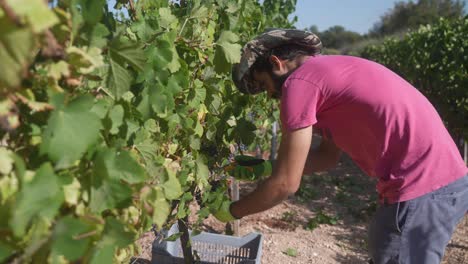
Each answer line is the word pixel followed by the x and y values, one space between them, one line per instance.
pixel 85 60
pixel 177 82
pixel 292 252
pixel 17 49
pixel 92 10
pixel 65 138
pixel 101 107
pixel 124 51
pixel 174 237
pixel 115 236
pixel 66 241
pixel 203 173
pixel 35 12
pixel 116 115
pixel 40 197
pixel 227 51
pixel 108 194
pixel 198 129
pixel 143 29
pixel 119 166
pixel 161 207
pixel 98 36
pixel 168 20
pixel 5 251
pixel 118 79
pixel 245 130
pixel 161 54
pixel 172 188
pixel 112 167
pixel 105 254
pixel 159 100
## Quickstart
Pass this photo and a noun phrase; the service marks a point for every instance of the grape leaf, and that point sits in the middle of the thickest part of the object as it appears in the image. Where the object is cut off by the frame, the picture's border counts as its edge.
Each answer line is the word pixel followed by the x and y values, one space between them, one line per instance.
pixel 168 20
pixel 118 79
pixel 17 49
pixel 161 54
pixel 124 51
pixel 227 51
pixel 65 241
pixel 40 197
pixel 65 138
pixel 161 207
pixel 92 10
pixel 85 60
pixel 36 13
pixel 115 236
pixel 5 251
pixel 203 173
pixel 172 187
pixel 116 115
pixel 119 166
pixel 108 194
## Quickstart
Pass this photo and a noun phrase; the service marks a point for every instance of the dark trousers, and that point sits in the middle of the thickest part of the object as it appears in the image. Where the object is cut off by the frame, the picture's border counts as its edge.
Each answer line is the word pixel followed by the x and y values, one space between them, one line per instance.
pixel 417 231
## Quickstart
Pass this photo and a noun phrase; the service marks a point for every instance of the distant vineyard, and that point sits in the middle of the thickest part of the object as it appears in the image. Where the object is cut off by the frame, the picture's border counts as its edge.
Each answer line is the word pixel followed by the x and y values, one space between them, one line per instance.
pixel 435 60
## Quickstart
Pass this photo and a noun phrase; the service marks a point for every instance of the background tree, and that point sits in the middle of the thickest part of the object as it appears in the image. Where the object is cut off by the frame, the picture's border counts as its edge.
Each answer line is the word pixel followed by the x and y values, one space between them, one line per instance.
pixel 410 15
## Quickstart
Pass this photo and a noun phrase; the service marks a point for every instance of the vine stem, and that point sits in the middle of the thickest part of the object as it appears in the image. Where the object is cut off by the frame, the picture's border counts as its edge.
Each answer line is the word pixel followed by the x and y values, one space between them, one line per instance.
pixel 10 13
pixel 132 10
pixel 185 241
pixel 85 235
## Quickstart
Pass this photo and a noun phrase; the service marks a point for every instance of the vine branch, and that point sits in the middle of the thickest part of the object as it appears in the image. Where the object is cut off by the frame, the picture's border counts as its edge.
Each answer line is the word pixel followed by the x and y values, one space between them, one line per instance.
pixel 10 13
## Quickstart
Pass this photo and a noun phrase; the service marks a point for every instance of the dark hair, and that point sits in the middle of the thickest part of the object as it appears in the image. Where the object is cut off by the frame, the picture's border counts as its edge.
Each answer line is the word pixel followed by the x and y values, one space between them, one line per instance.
pixel 284 52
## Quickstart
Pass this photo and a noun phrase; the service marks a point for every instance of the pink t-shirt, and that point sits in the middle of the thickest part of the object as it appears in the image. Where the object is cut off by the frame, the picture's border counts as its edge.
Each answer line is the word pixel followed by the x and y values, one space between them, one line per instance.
pixel 381 121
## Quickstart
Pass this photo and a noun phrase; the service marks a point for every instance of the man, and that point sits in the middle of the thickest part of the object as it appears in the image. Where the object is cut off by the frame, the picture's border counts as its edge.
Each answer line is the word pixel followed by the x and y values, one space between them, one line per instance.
pixel 381 121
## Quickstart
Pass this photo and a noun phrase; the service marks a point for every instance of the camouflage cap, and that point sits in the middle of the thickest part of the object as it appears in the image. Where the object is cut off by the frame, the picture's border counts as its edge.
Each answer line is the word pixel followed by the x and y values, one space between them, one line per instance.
pixel 260 47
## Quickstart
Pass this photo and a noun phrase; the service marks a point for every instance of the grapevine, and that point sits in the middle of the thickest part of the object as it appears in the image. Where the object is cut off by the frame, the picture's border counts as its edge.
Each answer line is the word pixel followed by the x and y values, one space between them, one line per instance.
pixel 111 123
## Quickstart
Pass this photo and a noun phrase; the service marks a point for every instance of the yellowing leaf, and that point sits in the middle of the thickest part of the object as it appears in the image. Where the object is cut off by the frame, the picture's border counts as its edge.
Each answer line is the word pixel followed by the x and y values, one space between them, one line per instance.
pixel 172 187
pixel 17 49
pixel 35 12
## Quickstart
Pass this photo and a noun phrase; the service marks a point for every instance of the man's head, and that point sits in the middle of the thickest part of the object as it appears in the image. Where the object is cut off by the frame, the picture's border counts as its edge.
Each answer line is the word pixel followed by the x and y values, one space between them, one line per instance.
pixel 270 58
pixel 271 71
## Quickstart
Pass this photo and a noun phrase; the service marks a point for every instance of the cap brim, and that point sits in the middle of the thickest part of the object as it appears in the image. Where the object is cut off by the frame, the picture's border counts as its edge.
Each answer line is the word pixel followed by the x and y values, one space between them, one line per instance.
pixel 246 84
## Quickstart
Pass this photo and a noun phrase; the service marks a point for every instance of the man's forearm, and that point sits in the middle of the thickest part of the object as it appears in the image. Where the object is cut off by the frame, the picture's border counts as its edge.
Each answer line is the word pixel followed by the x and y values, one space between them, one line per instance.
pixel 268 194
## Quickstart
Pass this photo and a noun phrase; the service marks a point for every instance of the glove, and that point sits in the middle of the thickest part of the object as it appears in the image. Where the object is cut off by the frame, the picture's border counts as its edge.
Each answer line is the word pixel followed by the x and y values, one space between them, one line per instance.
pixel 223 213
pixel 247 168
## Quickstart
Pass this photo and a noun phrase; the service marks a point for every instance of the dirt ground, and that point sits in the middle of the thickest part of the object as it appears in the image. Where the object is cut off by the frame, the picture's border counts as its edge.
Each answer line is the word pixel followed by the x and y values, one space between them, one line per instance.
pixel 339 205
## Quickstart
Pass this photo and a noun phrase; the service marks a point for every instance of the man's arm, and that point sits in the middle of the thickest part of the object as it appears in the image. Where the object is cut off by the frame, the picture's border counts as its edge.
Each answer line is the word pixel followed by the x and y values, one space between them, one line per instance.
pixel 286 176
pixel 324 157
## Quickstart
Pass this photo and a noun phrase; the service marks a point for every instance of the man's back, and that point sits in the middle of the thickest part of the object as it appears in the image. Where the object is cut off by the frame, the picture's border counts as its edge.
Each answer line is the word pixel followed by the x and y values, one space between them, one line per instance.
pixel 387 126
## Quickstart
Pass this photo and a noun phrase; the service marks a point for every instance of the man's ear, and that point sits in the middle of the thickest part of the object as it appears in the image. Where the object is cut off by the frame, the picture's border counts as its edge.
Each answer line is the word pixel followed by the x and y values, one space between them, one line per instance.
pixel 277 64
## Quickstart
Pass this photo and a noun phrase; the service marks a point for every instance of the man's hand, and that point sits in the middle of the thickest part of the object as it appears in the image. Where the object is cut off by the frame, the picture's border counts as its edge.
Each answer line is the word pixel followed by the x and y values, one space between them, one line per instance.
pixel 223 213
pixel 247 168
pixel 286 177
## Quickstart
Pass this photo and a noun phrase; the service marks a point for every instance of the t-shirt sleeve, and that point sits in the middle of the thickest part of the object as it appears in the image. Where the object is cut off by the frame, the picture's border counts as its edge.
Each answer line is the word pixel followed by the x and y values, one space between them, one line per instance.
pixel 300 100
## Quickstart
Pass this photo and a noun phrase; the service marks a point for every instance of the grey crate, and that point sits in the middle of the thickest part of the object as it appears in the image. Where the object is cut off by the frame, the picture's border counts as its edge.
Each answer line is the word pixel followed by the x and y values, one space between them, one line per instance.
pixel 212 248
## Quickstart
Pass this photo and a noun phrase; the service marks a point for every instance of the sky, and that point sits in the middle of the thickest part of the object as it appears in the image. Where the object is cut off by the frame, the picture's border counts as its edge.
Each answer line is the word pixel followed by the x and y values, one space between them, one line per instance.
pixel 354 15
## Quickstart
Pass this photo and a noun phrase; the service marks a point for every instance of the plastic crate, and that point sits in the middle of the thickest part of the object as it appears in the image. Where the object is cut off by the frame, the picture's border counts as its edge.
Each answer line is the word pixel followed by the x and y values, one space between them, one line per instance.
pixel 211 248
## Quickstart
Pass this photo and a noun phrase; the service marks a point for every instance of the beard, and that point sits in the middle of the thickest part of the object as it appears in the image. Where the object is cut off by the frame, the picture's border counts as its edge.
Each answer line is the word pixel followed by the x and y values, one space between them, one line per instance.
pixel 278 81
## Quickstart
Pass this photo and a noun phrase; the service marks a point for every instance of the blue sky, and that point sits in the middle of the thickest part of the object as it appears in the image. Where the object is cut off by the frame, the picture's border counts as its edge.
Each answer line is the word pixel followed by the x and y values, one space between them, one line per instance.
pixel 354 15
